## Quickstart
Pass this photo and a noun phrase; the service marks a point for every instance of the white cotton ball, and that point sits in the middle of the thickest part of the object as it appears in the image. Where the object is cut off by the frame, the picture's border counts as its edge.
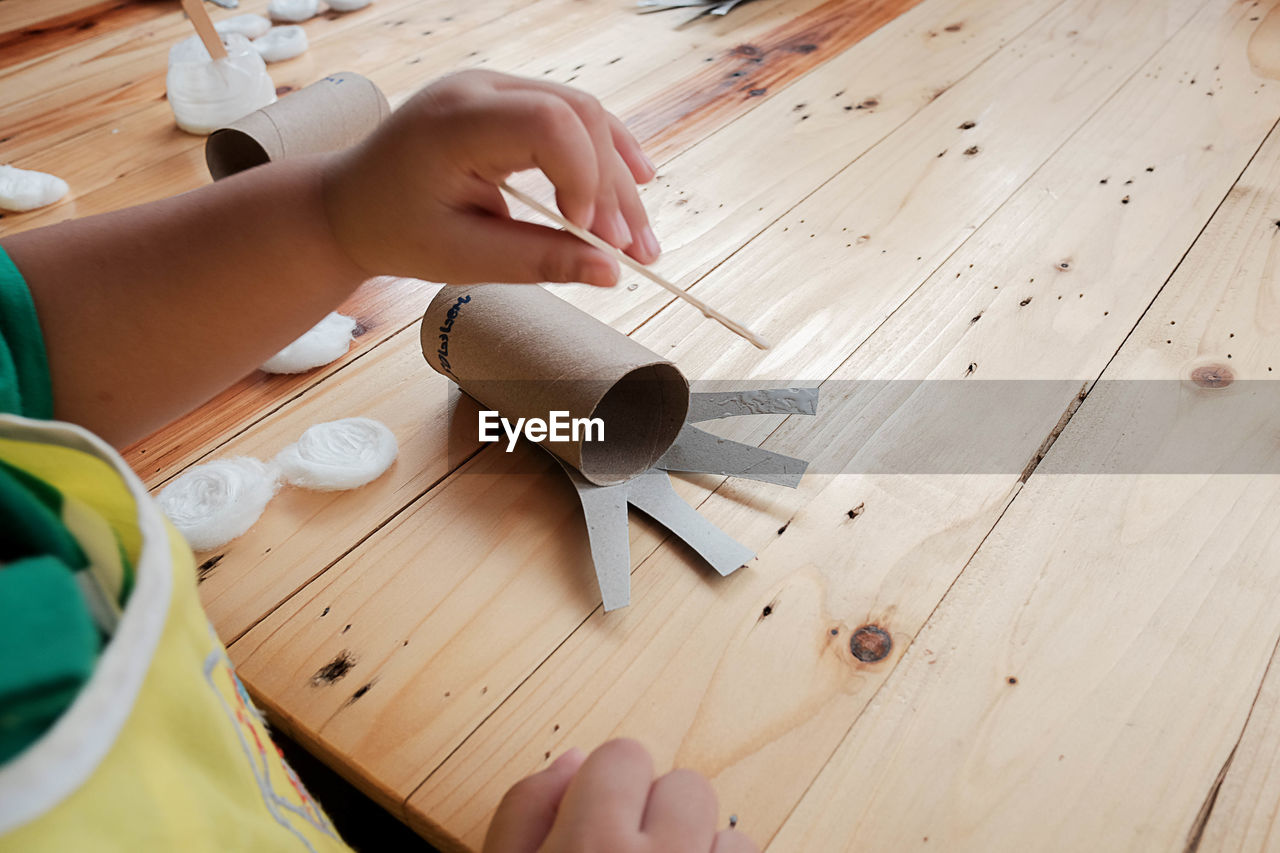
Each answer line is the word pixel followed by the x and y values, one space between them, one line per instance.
pixel 293 11
pixel 326 341
pixel 337 455
pixel 212 504
pixel 347 5
pixel 23 189
pixel 281 43
pixel 250 26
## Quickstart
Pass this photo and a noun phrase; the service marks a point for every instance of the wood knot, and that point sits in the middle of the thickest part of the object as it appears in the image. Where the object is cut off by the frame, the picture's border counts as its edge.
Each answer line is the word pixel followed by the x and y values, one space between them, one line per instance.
pixel 870 643
pixel 1213 376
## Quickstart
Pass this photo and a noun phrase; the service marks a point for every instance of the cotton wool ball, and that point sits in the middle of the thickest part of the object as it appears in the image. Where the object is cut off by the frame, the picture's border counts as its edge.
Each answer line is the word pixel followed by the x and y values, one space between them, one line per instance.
pixel 212 504
pixel 326 341
pixel 24 189
pixel 293 11
pixel 250 26
pixel 281 43
pixel 343 454
pixel 347 5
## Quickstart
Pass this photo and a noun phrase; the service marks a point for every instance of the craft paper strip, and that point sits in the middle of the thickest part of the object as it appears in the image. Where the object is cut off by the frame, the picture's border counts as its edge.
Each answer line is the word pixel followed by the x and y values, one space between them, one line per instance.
pixel 330 114
pixel 712 405
pixel 652 494
pixel 605 509
pixel 697 451
pixel 525 353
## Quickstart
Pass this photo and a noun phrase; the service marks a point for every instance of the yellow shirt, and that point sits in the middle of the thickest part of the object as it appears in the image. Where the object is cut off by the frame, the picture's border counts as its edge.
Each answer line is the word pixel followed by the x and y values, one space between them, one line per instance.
pixel 161 748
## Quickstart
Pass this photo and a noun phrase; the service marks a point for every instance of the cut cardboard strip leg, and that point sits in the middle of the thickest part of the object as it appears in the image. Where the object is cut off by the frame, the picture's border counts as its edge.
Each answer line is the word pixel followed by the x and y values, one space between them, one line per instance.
pixel 605 510
pixel 652 494
pixel 698 451
pixel 713 405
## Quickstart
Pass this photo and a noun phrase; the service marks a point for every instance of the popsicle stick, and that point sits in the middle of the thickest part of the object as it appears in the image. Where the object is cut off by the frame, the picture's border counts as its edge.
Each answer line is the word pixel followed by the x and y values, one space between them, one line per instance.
pixel 204 28
pixel 582 234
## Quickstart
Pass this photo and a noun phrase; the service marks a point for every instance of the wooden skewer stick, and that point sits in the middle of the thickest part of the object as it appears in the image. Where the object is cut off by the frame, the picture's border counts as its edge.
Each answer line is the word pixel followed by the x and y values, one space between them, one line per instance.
pixel 585 235
pixel 204 28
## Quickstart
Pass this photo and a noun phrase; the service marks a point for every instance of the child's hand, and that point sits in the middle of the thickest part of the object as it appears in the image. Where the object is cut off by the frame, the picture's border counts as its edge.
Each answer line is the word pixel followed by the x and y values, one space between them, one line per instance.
pixel 419 197
pixel 610 801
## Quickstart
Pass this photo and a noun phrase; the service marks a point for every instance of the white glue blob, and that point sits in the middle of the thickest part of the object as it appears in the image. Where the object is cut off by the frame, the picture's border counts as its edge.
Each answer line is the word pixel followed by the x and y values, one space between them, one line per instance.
pixel 294 11
pixel 250 26
pixel 341 454
pixel 212 504
pixel 324 342
pixel 205 94
pixel 281 43
pixel 23 189
pixel 347 5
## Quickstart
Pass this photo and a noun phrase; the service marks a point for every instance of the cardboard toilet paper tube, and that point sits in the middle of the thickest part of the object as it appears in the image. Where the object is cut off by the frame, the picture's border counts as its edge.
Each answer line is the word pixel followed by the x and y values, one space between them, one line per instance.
pixel 328 115
pixel 525 353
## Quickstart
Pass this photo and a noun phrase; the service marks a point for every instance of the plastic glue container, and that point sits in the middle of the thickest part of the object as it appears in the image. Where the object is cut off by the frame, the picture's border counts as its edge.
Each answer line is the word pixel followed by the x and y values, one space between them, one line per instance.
pixel 206 94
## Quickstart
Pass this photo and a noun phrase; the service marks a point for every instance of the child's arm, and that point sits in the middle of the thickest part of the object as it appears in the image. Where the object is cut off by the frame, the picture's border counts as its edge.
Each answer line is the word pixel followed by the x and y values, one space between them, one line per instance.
pixel 149 311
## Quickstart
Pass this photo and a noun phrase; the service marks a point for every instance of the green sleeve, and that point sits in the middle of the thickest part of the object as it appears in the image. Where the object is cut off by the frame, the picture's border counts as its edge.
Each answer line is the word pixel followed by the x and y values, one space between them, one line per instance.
pixel 25 388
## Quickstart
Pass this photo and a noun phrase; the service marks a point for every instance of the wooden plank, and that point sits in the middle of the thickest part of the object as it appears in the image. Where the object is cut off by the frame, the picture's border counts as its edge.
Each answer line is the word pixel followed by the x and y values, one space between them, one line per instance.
pixel 280 647
pixel 382 307
pixel 1086 680
pixel 754 70
pixel 698 669
pixel 17 16
pixel 29 30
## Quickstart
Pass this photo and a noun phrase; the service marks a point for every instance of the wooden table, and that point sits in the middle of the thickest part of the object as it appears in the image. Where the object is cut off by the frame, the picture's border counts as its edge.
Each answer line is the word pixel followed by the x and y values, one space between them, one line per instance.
pixel 944 190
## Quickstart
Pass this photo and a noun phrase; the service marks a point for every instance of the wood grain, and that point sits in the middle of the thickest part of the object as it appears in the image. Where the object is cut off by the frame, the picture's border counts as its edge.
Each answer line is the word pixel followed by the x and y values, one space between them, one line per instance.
pixel 31 30
pixel 754 70
pixel 1086 681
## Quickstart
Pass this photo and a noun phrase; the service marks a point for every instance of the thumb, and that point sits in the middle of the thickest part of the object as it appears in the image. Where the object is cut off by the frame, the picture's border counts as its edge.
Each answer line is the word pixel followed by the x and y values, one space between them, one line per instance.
pixel 526 813
pixel 492 248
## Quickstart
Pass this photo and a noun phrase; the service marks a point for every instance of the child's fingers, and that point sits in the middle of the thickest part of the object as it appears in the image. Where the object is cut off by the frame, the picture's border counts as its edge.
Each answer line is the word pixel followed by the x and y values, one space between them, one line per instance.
pixel 553 139
pixel 606 799
pixel 617 155
pixel 527 812
pixel 681 812
pixel 644 245
pixel 641 167
pixel 486 248
pixel 610 223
